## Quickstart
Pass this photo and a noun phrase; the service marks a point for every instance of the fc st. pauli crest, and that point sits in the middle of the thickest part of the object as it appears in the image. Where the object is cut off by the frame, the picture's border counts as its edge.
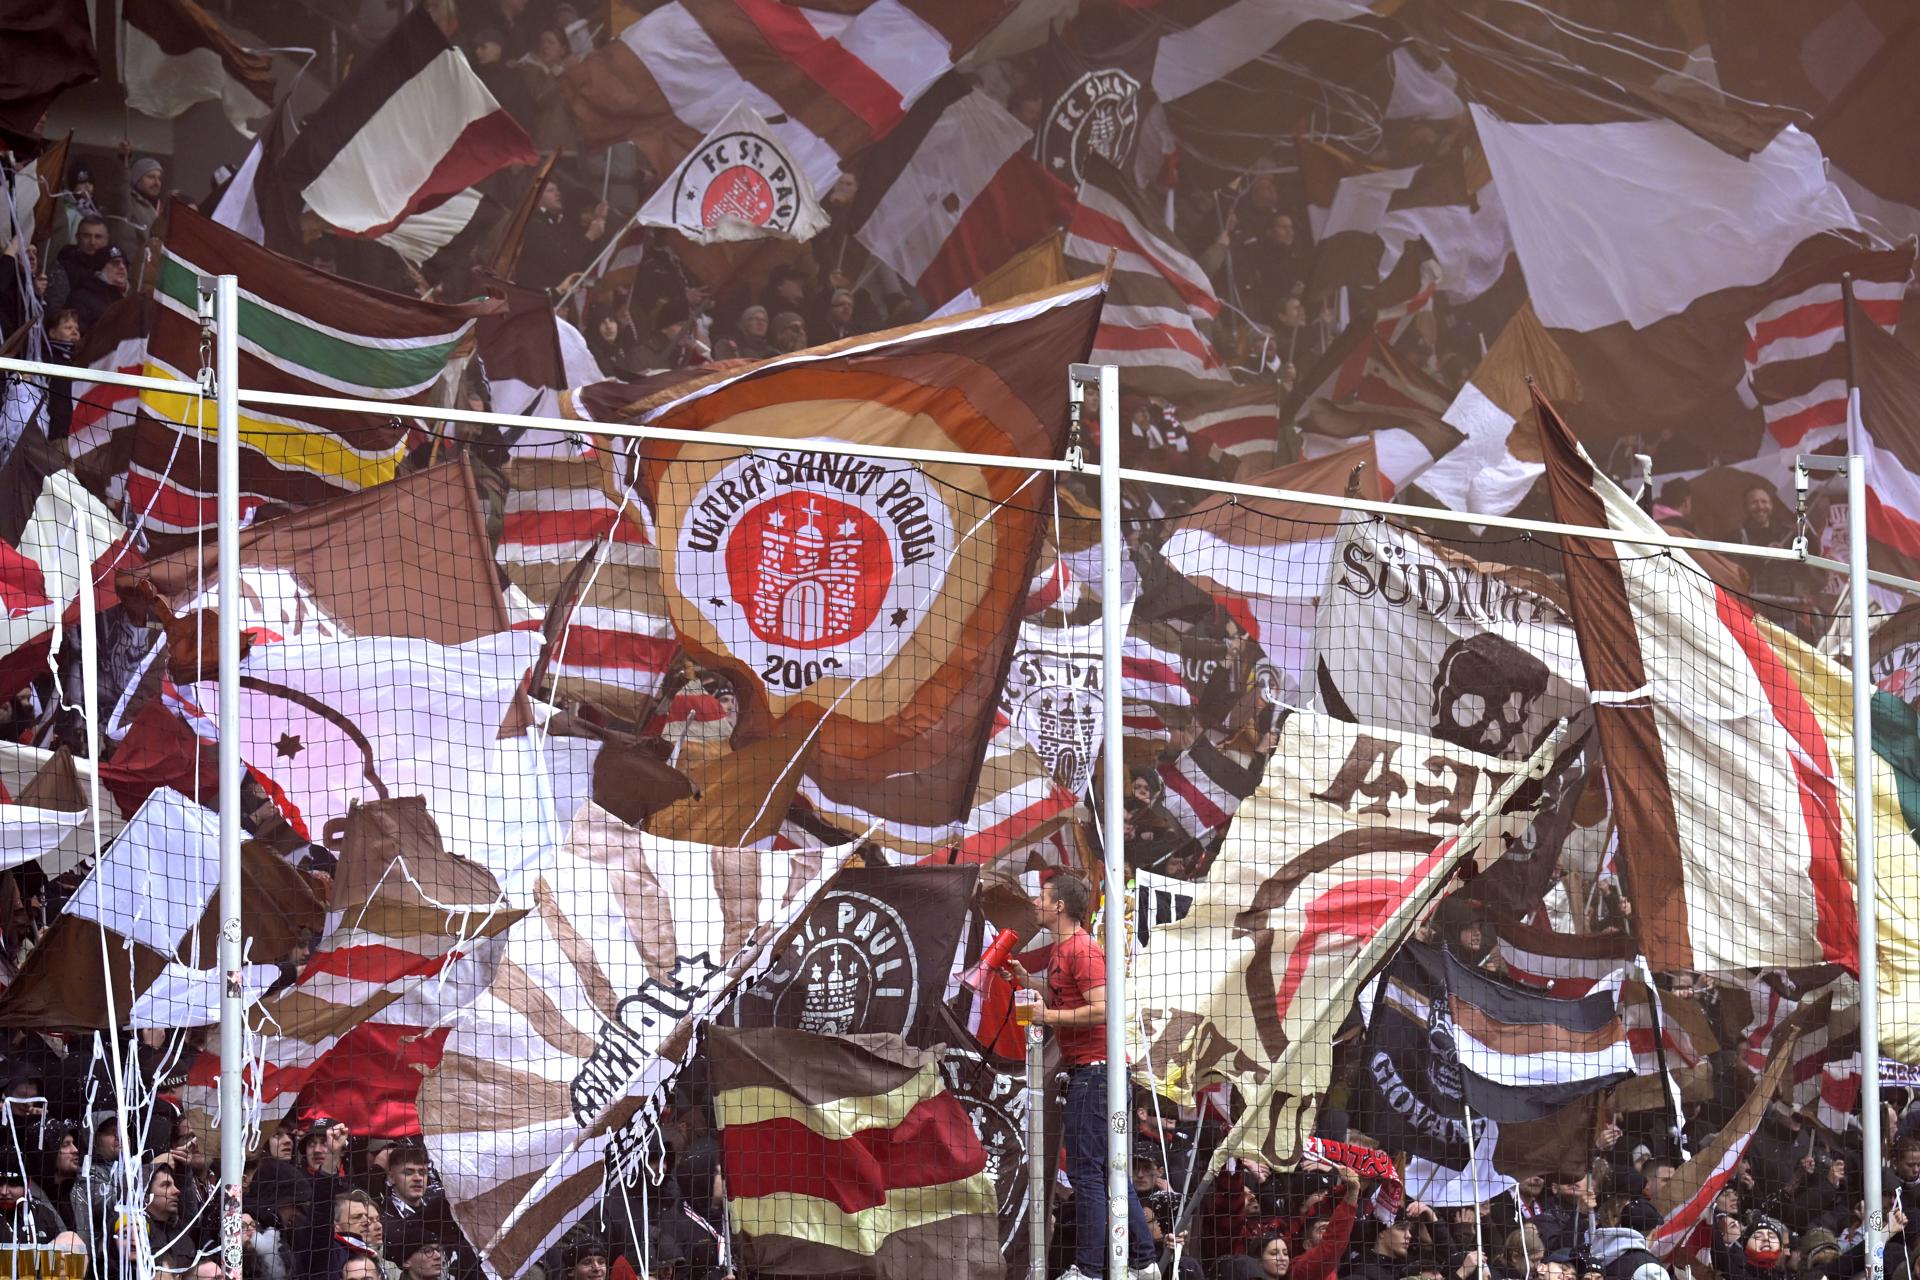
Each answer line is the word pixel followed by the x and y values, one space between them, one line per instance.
pixel 812 566
pixel 744 177
pixel 1099 113
pixel 851 967
pixel 1053 694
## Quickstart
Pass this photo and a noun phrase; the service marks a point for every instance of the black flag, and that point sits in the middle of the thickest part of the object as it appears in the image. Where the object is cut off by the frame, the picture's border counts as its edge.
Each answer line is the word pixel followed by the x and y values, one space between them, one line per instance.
pixel 872 956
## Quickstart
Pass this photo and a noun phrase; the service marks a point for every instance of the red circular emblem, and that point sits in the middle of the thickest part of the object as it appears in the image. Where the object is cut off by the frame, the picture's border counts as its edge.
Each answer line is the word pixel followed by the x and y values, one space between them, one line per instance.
pixel 737 192
pixel 809 570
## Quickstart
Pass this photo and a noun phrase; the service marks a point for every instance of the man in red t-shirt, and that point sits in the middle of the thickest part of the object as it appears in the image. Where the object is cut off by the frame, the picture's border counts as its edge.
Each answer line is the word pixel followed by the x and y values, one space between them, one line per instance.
pixel 1075 995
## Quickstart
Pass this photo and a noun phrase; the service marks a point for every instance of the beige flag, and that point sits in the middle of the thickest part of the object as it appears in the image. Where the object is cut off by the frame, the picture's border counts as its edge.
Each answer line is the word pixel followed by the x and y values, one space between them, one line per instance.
pixel 1351 827
pixel 550 1085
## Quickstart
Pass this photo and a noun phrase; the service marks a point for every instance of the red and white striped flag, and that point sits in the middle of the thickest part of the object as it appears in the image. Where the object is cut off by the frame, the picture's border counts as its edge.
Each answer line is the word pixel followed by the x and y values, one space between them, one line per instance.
pixel 1159 296
pixel 1686 1201
pixel 832 76
pixel 1153 683
pixel 953 193
pixel 1240 423
pixel 618 643
pixel 1796 344
pixel 409 939
pixel 1564 964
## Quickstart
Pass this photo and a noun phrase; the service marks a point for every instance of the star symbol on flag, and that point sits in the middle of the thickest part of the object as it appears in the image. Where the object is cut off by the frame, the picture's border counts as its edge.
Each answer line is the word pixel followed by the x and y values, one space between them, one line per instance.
pixel 716 602
pixel 899 617
pixel 289 746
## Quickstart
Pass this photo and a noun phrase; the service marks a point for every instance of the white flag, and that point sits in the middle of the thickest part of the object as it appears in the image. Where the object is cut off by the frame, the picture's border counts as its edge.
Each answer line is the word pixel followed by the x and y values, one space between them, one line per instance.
pixel 738 184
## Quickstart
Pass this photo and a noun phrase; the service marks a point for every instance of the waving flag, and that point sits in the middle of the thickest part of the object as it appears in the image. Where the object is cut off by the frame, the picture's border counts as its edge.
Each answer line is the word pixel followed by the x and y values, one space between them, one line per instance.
pixel 54 538
pixel 177 54
pixel 1347 825
pixel 1362 388
pixel 407 558
pixel 412 935
pixel 618 643
pixel 1443 1036
pixel 147 914
pixel 878 598
pixel 1686 1200
pixel 1497 465
pixel 632 942
pixel 336 722
pixel 1796 344
pixel 738 184
pixel 301 331
pixel 952 195
pixel 835 75
pixel 1764 767
pixel 1415 636
pixel 405 137
pixel 1160 298
pixel 1889 396
pixel 849 1154
pixel 1633 278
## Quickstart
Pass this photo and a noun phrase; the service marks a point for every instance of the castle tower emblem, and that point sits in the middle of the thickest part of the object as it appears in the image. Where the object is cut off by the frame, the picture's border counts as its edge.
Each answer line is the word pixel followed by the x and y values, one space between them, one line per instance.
pixel 815 573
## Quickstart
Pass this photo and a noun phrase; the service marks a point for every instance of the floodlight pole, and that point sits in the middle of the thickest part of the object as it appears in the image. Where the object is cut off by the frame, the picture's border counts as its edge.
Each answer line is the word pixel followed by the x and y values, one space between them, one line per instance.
pixel 1863 850
pixel 1860 659
pixel 233 1145
pixel 1113 794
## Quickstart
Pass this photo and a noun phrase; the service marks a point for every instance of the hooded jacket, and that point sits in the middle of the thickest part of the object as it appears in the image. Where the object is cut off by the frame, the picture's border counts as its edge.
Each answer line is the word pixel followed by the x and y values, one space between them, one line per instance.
pixel 1609 1245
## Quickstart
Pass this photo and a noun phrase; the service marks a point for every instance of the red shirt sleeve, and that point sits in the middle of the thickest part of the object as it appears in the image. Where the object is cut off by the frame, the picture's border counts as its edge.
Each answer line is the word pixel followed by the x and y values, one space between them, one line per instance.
pixel 1319 1262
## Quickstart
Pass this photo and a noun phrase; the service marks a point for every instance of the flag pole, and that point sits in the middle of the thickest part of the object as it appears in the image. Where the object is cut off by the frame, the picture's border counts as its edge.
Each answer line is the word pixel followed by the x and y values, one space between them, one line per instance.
pixel 1113 825
pixel 233 1149
pixel 1379 948
pixel 598 258
pixel 1863 850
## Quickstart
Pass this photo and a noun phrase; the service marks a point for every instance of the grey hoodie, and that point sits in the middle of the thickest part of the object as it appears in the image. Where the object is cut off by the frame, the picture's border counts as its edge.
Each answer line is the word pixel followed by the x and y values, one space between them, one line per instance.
pixel 1608 1243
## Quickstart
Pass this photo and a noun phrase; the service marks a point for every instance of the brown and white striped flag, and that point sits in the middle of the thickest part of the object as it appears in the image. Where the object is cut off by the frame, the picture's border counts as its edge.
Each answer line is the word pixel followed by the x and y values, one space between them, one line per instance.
pixel 848 1155
pixel 550 1084
pixel 1362 388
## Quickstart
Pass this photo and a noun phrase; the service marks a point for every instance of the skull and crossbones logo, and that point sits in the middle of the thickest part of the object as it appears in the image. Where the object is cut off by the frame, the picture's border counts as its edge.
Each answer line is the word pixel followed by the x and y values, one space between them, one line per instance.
pixel 1483 695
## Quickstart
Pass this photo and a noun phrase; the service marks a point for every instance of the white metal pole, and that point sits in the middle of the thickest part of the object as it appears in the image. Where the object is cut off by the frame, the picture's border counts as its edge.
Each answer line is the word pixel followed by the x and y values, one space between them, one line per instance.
pixel 1039 1172
pixel 233 1149
pixel 1863 850
pixel 1113 822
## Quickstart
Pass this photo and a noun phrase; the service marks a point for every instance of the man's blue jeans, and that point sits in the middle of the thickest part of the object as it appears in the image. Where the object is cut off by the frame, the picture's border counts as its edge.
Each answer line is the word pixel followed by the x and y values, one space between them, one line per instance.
pixel 1084 1134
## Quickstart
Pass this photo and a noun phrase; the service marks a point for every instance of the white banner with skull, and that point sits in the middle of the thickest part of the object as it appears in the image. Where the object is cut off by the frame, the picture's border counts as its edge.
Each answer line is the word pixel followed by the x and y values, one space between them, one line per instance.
pixel 1413 636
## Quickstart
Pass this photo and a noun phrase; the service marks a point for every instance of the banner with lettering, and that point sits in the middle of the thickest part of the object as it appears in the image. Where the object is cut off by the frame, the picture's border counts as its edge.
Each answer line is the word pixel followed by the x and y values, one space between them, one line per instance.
pixel 869 604
pixel 552 1081
pixel 1347 824
pixel 873 956
pixel 1412 635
